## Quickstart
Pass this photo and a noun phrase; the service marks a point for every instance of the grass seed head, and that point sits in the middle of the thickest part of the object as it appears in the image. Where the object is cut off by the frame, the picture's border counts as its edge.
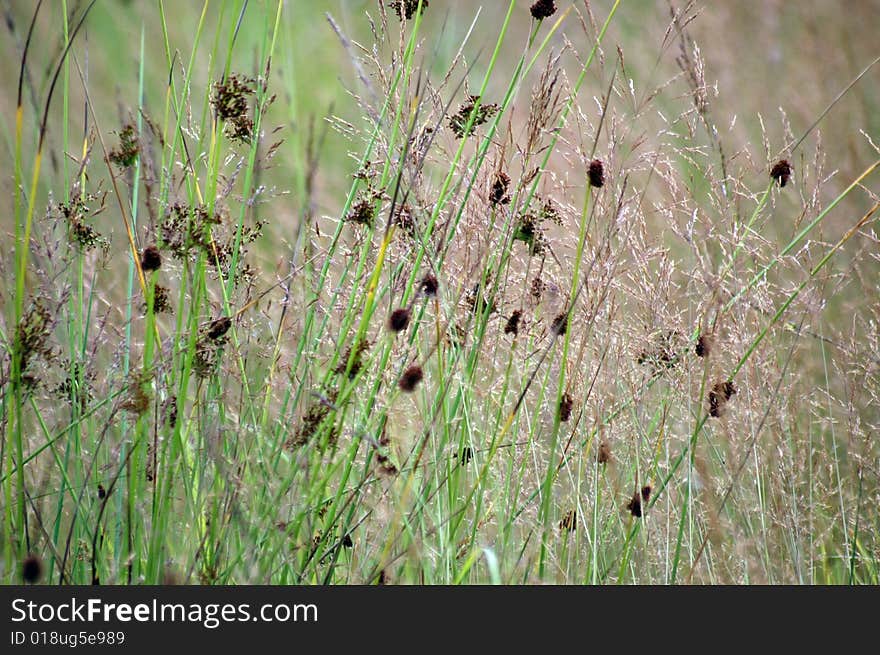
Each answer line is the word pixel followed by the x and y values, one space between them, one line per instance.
pixel 512 325
pixel 429 285
pixel 596 173
pixel 151 259
pixel 32 569
pixel 560 324
pixel 543 9
pixel 604 454
pixel 406 9
pixel 635 505
pixel 565 405
pixel 459 121
pixel 498 195
pixel 704 345
pixel 399 319
pixel 410 378
pixel 781 172
pixel 218 328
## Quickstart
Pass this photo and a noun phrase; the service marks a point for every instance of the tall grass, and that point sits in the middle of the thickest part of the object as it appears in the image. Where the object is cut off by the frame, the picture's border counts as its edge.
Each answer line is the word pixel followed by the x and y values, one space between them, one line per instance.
pixel 544 316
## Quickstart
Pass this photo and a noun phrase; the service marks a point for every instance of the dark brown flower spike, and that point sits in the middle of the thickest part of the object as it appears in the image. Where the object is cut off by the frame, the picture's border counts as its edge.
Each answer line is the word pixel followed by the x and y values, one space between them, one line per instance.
pixel 565 405
pixel 543 9
pixel 560 324
pixel 635 505
pixel 151 259
pixel 429 285
pixel 406 9
pixel 604 454
pixel 459 122
pixel 704 345
pixel 218 328
pixel 781 172
pixel 398 320
pixel 512 326
pixel 719 395
pixel 410 378
pixel 499 196
pixel 596 173
pixel 32 569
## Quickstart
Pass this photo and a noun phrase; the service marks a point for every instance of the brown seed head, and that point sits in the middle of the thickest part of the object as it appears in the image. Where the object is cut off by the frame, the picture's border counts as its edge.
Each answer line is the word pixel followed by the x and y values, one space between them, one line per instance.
pixel 596 173
pixel 499 196
pixel 219 328
pixel 604 454
pixel 635 505
pixel 429 285
pixel 512 326
pixel 543 9
pixel 781 171
pixel 151 259
pixel 565 405
pixel 32 569
pixel 398 320
pixel 560 324
pixel 410 378
pixel 704 345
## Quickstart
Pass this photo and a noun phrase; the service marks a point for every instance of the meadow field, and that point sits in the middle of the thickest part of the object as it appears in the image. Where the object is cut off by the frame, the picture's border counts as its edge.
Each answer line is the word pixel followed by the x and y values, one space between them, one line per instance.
pixel 440 292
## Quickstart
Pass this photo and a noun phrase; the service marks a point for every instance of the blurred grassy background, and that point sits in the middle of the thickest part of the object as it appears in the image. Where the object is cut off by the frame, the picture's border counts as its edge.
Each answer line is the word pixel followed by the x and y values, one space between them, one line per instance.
pixel 764 55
